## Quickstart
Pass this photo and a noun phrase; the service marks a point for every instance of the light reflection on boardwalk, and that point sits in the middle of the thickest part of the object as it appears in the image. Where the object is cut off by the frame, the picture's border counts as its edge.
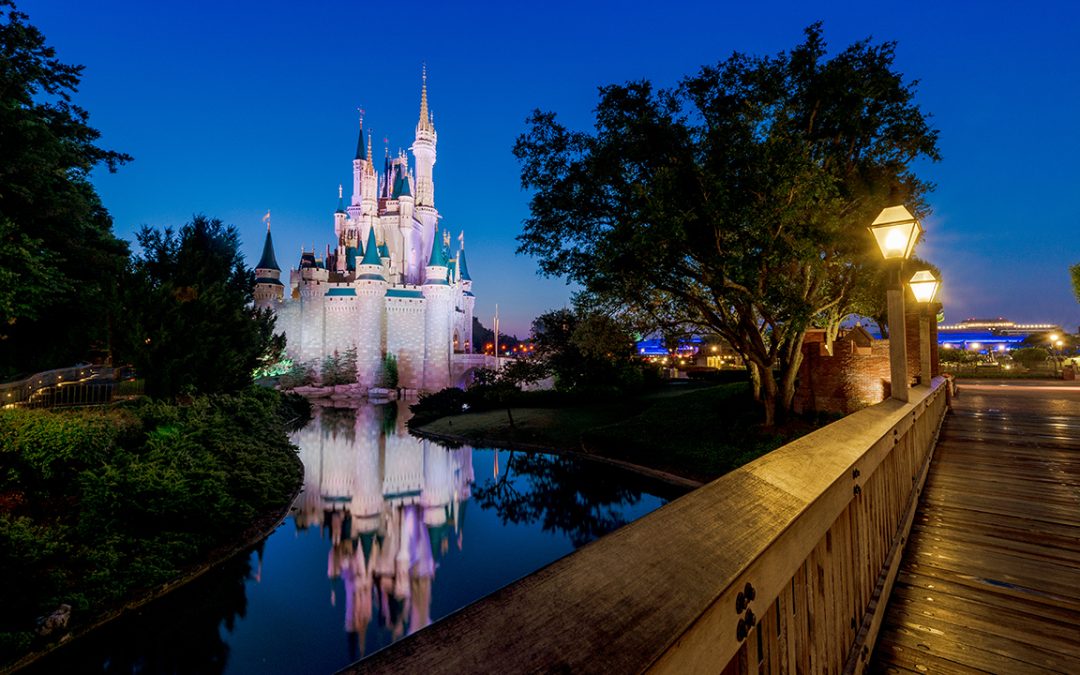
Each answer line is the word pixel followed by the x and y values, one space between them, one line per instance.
pixel 990 580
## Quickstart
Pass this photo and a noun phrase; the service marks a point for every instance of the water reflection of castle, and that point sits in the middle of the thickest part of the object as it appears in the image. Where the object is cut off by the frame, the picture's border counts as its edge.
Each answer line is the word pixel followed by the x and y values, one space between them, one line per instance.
pixel 390 503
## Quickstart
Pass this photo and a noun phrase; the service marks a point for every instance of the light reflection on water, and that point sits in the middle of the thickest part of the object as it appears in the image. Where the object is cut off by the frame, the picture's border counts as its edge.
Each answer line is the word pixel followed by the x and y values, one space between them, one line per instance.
pixel 377 547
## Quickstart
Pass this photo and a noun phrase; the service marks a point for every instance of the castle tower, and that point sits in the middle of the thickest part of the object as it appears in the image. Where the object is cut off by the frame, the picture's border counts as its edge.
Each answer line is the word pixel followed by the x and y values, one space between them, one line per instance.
pixel 269 291
pixel 437 317
pixel 362 159
pixel 468 303
pixel 423 150
pixel 371 291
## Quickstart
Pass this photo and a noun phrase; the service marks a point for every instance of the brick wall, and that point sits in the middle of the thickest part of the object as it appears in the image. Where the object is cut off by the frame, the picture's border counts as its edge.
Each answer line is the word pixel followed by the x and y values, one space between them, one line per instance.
pixel 856 374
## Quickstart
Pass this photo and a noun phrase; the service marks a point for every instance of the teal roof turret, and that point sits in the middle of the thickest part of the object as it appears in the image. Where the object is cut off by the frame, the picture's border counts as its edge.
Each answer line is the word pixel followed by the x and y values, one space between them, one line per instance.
pixel 371 250
pixel 401 186
pixel 268 261
pixel 340 201
pixel 463 269
pixel 438 255
pixel 361 151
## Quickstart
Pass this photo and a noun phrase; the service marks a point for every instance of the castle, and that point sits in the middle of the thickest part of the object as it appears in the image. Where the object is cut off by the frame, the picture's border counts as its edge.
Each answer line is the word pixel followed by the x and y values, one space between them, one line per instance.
pixel 391 285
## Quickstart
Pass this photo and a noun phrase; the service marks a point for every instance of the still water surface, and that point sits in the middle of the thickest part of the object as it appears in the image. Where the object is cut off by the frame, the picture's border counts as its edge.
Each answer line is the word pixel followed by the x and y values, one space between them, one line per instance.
pixel 390 533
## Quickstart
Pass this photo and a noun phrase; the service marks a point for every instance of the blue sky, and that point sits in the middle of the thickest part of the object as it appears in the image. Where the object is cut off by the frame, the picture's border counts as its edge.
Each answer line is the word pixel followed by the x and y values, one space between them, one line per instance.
pixel 233 108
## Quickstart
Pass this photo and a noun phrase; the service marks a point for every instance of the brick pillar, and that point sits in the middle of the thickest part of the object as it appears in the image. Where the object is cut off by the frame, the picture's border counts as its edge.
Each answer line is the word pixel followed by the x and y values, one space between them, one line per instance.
pixel 913 312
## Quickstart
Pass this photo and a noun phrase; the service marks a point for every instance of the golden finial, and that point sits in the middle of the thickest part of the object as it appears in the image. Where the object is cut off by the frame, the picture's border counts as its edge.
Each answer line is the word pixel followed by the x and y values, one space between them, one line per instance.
pixel 369 146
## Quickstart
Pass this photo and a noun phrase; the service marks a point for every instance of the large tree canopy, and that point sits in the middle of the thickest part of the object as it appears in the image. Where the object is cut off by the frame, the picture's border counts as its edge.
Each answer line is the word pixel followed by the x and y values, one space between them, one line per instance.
pixel 59 261
pixel 191 325
pixel 736 203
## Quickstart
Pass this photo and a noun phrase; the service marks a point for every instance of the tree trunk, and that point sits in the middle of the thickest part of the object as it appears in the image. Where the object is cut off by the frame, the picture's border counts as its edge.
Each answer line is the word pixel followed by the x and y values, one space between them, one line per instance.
pixel 791 357
pixel 510 416
pixel 755 379
pixel 768 397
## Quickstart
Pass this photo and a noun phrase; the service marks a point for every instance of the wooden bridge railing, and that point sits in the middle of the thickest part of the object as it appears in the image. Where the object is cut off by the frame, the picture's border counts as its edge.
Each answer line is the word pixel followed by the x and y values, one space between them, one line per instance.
pixel 781 566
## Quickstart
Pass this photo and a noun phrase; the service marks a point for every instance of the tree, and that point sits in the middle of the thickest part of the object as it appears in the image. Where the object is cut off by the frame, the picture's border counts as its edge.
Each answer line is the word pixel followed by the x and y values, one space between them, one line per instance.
pixel 1029 357
pixel 736 203
pixel 192 325
pixel 59 260
pixel 585 350
pixel 389 377
pixel 1074 271
pixel 501 387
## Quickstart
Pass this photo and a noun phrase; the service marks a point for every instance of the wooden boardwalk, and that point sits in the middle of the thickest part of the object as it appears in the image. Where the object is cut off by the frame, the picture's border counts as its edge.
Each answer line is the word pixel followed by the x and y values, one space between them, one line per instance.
pixel 990 580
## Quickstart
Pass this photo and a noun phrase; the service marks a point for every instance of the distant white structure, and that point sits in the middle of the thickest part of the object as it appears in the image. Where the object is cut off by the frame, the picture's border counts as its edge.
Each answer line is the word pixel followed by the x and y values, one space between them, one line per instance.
pixel 390 285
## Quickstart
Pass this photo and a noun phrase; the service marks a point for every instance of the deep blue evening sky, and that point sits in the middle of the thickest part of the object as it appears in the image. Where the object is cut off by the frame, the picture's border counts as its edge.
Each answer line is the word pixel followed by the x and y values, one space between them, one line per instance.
pixel 233 108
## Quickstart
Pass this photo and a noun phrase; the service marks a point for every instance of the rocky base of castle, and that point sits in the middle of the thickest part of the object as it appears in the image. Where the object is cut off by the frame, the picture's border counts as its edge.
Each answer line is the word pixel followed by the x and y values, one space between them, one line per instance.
pixel 354 392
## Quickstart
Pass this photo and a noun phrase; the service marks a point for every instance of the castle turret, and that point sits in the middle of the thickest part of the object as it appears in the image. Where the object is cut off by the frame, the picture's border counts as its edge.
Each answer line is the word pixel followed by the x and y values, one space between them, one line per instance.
pixel 370 286
pixel 468 302
pixel 268 287
pixel 437 318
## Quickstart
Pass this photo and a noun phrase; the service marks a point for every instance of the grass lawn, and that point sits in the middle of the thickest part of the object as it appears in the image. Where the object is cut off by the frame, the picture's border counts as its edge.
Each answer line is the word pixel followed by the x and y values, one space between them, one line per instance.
pixel 694 432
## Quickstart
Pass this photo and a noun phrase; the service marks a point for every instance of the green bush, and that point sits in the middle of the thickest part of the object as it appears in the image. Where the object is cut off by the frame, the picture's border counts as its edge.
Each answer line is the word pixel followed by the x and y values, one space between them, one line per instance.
pixel 106 504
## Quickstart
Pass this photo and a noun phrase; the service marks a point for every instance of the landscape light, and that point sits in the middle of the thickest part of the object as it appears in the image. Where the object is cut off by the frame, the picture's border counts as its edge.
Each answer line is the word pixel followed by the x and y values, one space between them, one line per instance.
pixel 896 232
pixel 924 286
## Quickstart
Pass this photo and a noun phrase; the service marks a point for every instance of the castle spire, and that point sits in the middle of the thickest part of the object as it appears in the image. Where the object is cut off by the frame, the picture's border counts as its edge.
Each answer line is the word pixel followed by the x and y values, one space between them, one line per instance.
pixel 268 261
pixel 371 251
pixel 425 116
pixel 438 255
pixel 360 154
pixel 340 200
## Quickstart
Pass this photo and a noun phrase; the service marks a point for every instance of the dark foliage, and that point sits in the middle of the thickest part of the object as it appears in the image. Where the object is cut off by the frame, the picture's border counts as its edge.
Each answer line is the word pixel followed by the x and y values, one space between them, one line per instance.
pixel 59 260
pixel 191 327
pixel 99 505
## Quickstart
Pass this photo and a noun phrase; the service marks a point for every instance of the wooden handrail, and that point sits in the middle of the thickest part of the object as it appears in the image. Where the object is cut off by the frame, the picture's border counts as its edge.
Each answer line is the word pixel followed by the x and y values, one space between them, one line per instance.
pixel 780 565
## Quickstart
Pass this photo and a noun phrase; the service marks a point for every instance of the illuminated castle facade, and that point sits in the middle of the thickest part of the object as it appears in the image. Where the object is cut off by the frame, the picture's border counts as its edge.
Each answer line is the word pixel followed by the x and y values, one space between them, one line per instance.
pixel 390 285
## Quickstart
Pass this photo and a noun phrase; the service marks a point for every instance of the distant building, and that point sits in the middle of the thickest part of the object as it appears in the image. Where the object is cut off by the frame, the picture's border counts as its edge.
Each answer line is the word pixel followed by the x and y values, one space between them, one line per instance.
pixel 390 284
pixel 992 335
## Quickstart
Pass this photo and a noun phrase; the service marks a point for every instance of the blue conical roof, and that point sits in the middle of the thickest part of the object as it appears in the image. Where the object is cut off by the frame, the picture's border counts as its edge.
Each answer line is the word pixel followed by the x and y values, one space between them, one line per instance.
pixel 438 255
pixel 371 250
pixel 268 261
pixel 361 150
pixel 463 269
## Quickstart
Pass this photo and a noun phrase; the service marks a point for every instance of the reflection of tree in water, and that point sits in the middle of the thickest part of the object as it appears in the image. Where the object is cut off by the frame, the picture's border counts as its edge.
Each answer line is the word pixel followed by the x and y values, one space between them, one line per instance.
pixel 178 633
pixel 339 422
pixel 581 499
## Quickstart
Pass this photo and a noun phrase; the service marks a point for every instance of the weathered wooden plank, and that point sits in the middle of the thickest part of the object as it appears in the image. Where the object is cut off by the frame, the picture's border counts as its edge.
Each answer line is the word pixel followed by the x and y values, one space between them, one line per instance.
pixel 991 576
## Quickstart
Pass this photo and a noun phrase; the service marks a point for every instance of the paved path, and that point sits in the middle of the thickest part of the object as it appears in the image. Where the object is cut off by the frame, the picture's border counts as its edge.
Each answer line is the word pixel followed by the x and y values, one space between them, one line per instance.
pixel 990 580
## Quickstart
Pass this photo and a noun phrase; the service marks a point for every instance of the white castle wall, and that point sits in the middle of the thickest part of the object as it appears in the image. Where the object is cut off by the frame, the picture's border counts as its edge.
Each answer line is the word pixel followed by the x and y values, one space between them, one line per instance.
pixel 341 316
pixel 368 330
pixel 405 338
pixel 437 337
pixel 312 326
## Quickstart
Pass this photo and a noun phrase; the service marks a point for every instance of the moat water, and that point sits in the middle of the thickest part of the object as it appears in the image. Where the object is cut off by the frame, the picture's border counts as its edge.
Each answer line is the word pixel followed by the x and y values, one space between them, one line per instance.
pixel 389 534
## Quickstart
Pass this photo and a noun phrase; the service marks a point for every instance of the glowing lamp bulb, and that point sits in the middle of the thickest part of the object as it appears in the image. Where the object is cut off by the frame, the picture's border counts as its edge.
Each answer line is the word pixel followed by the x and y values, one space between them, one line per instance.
pixel 895 242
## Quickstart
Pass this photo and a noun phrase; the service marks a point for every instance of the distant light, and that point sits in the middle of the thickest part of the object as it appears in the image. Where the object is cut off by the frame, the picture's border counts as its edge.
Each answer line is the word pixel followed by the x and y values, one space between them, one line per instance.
pixel 975 345
pixel 1001 348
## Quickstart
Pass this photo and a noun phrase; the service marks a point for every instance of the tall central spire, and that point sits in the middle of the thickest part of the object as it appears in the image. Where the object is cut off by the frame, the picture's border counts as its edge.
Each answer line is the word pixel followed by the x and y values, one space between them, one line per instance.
pixel 425 116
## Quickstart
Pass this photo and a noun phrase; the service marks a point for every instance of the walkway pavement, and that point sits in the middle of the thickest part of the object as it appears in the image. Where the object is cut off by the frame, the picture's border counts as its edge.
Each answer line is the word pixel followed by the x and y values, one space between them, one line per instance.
pixel 990 580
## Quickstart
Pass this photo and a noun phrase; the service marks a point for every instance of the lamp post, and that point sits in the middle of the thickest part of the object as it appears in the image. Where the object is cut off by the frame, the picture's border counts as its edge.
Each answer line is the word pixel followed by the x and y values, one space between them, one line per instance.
pixel 895 230
pixel 924 286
